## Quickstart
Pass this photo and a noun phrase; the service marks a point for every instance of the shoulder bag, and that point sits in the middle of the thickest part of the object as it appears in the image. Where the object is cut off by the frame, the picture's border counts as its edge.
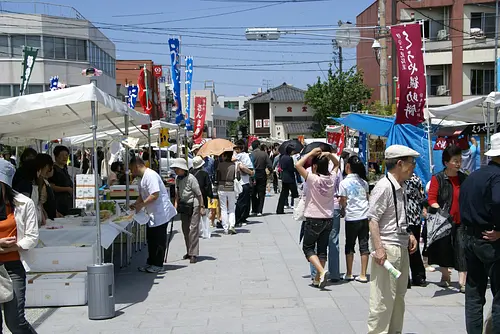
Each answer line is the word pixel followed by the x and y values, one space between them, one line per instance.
pixel 238 187
pixel 6 288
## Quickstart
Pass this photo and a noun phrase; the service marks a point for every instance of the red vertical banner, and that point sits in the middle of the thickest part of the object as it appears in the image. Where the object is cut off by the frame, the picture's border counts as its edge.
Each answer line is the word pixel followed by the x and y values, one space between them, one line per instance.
pixel 412 81
pixel 331 137
pixel 200 107
pixel 341 140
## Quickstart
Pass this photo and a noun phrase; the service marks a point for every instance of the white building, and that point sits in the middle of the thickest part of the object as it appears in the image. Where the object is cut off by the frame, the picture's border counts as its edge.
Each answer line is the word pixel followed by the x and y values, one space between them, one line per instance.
pixel 281 113
pixel 66 45
pixel 233 102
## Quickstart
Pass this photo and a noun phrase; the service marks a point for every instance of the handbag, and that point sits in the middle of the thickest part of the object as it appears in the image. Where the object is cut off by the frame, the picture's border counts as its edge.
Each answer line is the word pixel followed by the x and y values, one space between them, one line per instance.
pixel 6 288
pixel 238 188
pixel 185 208
pixel 298 212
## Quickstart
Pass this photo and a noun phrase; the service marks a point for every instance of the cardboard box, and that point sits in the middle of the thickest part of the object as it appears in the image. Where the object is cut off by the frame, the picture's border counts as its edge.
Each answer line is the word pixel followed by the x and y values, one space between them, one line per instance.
pixel 60 258
pixel 56 289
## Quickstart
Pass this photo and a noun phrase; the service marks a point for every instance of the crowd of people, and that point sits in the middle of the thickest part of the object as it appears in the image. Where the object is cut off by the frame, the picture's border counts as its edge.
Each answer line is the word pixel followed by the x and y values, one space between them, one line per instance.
pixel 387 222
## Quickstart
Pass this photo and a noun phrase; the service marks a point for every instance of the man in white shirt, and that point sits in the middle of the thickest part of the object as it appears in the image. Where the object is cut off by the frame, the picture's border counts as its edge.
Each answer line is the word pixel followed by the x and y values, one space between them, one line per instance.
pixel 391 240
pixel 154 197
pixel 245 167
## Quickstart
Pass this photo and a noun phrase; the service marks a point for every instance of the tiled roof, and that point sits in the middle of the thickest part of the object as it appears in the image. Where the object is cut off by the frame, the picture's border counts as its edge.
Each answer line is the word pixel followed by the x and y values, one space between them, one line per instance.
pixel 299 127
pixel 283 93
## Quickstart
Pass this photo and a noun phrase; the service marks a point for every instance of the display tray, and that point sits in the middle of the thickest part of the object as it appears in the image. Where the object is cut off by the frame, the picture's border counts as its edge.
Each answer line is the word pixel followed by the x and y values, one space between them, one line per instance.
pixel 56 289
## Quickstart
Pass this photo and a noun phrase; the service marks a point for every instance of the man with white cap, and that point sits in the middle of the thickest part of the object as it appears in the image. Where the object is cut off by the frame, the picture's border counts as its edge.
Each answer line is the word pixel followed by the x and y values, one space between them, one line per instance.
pixel 480 213
pixel 391 241
pixel 209 166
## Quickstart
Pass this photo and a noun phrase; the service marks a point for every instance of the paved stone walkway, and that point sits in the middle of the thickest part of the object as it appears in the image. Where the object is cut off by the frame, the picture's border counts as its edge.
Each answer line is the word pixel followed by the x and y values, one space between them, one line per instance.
pixel 254 282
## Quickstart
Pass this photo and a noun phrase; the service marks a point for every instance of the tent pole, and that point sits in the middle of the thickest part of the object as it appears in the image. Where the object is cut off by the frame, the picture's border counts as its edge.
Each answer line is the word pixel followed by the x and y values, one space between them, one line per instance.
pixel 159 151
pixel 96 181
pixel 429 123
pixel 150 149
pixel 488 132
pixel 127 172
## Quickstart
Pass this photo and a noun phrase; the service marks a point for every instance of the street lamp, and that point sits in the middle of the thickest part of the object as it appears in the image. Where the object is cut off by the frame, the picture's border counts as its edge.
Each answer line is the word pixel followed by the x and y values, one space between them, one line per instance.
pixel 376 48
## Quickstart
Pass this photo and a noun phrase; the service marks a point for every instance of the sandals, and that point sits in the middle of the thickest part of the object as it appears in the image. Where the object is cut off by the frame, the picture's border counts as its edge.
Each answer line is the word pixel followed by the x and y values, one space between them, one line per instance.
pixel 348 278
pixel 361 280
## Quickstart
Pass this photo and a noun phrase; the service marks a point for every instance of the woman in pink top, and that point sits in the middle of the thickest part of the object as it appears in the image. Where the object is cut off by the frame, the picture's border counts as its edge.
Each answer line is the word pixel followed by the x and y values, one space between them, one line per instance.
pixel 319 206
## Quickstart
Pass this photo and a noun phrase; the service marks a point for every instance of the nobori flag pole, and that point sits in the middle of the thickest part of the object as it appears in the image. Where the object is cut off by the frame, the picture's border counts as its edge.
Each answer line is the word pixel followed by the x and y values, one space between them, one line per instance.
pixel 429 123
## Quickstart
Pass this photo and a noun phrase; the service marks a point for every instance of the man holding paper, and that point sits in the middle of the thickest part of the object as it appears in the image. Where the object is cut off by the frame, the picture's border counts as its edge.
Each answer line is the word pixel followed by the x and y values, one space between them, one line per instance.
pixel 391 241
pixel 155 199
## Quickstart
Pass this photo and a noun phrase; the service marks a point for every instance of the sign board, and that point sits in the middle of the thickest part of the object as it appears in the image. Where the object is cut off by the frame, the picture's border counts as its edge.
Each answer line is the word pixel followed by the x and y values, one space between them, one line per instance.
pixel 157 71
pixel 266 123
pixel 258 123
pixel 164 138
pixel 85 190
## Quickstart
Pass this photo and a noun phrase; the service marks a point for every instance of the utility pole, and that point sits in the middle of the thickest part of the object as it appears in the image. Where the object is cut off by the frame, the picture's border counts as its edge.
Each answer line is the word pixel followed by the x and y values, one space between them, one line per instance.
pixel 267 83
pixel 337 55
pixel 341 60
pixel 383 53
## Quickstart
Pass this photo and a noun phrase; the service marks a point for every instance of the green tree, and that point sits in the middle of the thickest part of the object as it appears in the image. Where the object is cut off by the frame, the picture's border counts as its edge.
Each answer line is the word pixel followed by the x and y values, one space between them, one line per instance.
pixel 378 109
pixel 336 95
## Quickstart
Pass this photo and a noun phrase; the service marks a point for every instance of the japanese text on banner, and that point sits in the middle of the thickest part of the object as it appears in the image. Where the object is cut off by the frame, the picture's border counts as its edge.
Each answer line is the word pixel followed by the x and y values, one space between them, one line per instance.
pixel 412 92
pixel 200 107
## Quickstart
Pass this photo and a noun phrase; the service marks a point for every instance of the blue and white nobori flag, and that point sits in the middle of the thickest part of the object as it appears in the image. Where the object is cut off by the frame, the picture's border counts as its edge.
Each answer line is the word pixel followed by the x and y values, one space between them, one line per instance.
pixel 189 80
pixel 173 44
pixel 132 95
pixel 54 83
pixel 362 147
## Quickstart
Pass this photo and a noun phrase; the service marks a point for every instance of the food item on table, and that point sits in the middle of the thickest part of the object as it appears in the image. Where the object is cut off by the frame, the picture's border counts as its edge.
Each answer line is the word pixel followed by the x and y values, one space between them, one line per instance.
pixel 124 218
pixel 105 214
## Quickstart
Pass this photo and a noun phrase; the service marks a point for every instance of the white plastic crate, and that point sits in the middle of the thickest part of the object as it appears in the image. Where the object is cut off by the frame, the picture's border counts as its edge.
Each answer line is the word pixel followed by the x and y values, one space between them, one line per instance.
pixel 59 259
pixel 56 289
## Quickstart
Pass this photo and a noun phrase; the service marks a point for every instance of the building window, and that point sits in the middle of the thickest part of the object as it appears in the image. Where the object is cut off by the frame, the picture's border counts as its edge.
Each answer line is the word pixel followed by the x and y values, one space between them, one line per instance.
pixel 485 22
pixel 482 82
pixel 5 91
pixel 34 89
pixel 4 46
pixel 48 47
pixel 71 48
pixel 232 105
pixel 434 82
pixel 17 43
pixel 81 49
pixel 59 48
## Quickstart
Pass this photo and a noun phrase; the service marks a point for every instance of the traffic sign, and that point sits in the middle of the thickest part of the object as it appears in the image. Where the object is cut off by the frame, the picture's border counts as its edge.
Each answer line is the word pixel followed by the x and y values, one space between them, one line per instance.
pixel 157 71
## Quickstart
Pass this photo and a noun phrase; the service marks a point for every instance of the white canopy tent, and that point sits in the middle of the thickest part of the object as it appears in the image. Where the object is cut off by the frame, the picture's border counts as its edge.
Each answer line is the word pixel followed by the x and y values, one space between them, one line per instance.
pixel 470 111
pixel 62 113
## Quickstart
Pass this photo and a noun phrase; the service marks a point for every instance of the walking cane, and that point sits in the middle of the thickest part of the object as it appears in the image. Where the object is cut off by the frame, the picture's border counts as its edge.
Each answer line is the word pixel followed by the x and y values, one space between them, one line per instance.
pixel 169 238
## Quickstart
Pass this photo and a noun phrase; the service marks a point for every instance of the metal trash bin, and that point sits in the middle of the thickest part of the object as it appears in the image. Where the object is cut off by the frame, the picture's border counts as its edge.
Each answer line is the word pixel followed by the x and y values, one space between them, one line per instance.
pixel 101 291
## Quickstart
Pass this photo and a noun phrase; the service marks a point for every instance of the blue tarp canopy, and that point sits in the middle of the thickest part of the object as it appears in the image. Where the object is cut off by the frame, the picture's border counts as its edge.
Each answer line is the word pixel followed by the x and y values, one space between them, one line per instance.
pixel 403 134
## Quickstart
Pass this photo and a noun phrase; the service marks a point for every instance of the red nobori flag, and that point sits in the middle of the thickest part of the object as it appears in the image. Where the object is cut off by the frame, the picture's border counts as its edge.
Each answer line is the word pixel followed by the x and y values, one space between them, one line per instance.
pixel 200 107
pixel 412 93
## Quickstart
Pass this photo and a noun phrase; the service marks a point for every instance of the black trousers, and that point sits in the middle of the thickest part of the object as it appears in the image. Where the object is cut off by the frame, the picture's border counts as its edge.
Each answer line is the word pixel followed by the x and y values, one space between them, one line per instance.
pixel 416 262
pixel 483 261
pixel 157 244
pixel 275 182
pixel 243 204
pixel 286 189
pixel 259 194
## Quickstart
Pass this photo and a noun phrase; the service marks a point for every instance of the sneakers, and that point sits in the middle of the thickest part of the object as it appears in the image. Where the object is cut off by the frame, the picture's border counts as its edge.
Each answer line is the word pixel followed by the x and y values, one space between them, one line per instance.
pixel 232 231
pixel 315 283
pixel 462 288
pixel 323 279
pixel 154 269
pixel 259 215
pixel 144 268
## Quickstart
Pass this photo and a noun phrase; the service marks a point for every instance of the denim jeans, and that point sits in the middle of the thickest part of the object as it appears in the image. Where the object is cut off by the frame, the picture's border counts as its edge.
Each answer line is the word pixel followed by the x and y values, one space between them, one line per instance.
pixel 14 310
pixel 333 250
pixel 483 261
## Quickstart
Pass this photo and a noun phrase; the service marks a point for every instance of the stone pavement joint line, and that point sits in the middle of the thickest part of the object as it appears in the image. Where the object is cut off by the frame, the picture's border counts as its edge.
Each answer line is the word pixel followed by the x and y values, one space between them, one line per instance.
pixel 254 282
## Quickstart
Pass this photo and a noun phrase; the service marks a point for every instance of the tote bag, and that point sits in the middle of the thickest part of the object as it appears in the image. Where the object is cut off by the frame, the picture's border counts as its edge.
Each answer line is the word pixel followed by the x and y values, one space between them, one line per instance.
pixel 6 288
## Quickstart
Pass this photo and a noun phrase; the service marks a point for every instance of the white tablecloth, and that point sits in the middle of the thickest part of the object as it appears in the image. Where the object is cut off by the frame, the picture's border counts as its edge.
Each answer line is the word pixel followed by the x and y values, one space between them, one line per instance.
pixel 72 233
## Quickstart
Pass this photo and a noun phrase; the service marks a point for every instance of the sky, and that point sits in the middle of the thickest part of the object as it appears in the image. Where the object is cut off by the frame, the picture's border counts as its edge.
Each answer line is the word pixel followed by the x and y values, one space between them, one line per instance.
pixel 213 33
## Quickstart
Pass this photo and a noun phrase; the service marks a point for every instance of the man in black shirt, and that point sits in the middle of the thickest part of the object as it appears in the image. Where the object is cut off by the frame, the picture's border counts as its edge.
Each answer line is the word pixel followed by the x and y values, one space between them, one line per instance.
pixel 480 214
pixel 261 162
pixel 61 182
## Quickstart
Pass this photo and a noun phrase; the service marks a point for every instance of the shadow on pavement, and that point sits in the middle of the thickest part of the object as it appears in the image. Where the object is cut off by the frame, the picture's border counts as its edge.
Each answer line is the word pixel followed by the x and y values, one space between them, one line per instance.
pixel 205 258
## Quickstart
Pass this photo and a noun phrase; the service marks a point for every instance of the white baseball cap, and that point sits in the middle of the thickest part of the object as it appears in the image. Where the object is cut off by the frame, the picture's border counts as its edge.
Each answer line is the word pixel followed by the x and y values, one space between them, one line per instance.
pixel 400 151
pixel 494 150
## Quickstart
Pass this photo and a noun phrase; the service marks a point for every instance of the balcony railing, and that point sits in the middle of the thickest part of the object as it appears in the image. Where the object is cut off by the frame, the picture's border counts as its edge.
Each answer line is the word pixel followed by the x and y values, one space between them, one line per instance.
pixel 40 8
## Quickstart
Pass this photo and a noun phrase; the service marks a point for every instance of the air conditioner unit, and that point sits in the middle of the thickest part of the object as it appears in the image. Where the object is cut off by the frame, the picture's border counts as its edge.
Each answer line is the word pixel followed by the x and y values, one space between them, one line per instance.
pixel 441 90
pixel 442 35
pixel 476 33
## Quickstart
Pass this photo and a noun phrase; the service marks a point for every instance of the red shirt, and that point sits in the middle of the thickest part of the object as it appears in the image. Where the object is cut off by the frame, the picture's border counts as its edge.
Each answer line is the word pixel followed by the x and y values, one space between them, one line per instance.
pixel 433 196
pixel 8 229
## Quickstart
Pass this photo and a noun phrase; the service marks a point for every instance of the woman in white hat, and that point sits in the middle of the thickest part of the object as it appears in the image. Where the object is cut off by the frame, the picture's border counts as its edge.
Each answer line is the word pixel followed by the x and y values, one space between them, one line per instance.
pixel 191 206
pixel 18 234
pixel 206 191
